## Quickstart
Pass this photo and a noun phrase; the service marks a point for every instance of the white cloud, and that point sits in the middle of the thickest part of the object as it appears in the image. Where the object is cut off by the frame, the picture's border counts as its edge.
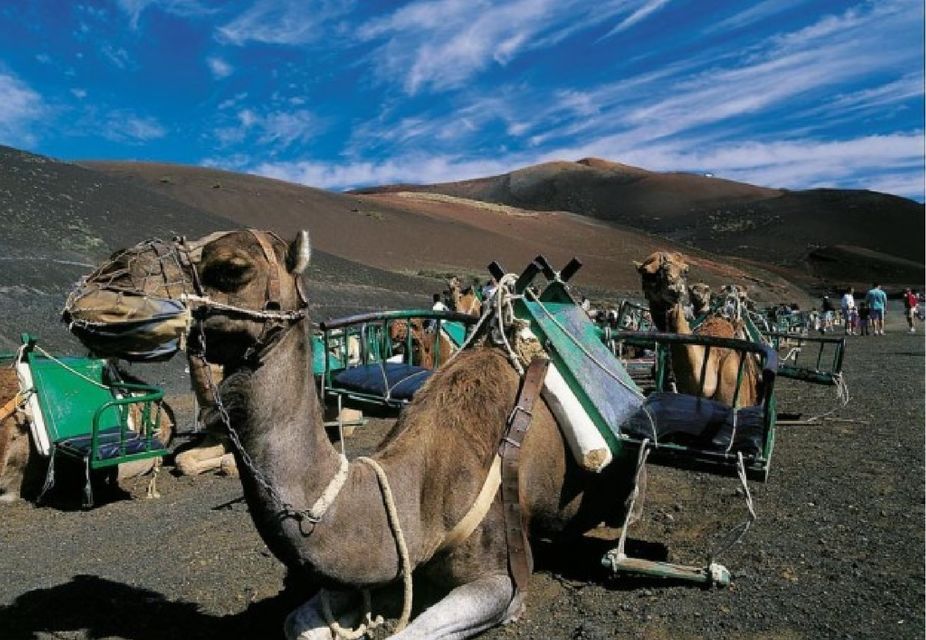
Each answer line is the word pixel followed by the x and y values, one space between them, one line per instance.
pixel 44 58
pixel 78 93
pixel 288 22
pixel 649 7
pixel 125 126
pixel 219 68
pixel 116 55
pixel 182 8
pixel 415 168
pixel 440 44
pixel 278 128
pixel 20 108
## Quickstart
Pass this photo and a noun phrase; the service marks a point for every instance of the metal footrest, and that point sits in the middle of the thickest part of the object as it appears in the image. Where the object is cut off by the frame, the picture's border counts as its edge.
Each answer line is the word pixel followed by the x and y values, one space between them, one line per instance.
pixel 713 575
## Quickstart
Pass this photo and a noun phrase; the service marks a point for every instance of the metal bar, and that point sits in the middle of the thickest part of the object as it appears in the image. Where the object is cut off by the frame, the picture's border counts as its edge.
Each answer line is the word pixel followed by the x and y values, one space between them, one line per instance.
pixel 570 269
pixel 338 323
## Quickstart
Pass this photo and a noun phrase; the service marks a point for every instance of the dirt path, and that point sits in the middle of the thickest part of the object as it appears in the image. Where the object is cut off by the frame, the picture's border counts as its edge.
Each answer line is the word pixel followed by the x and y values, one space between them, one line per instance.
pixel 837 550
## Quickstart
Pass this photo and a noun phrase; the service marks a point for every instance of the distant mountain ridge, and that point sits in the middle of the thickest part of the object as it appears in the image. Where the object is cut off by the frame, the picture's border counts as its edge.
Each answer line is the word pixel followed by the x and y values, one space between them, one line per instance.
pixel 714 214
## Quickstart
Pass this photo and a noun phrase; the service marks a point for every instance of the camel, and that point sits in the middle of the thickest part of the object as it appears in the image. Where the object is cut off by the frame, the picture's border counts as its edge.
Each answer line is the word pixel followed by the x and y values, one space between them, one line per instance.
pixel 664 277
pixel 464 300
pixel 700 293
pixel 437 459
pixel 424 354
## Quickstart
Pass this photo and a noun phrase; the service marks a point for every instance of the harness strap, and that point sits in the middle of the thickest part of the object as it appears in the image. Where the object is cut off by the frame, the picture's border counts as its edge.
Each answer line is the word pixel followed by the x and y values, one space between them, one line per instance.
pixel 519 554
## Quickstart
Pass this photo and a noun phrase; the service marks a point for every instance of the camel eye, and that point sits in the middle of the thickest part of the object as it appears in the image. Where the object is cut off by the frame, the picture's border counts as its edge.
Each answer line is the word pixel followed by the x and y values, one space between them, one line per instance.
pixel 228 275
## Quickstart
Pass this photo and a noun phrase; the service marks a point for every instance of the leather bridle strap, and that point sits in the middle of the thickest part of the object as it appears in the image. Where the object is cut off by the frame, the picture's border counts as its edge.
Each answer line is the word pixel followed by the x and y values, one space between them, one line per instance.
pixel 519 558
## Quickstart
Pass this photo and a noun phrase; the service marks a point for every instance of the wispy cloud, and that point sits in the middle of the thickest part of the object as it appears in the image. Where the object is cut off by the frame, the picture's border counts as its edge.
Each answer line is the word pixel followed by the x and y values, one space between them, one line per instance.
pixel 20 108
pixel 118 56
pixel 219 68
pixel 417 168
pixel 440 44
pixel 286 22
pixel 184 8
pixel 127 127
pixel 278 128
pixel 649 7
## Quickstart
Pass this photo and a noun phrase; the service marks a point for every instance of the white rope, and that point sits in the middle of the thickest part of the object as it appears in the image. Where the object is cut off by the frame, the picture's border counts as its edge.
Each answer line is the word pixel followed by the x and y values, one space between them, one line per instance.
pixel 72 370
pixel 368 622
pixel 641 462
pixel 394 524
pixel 251 313
pixel 741 529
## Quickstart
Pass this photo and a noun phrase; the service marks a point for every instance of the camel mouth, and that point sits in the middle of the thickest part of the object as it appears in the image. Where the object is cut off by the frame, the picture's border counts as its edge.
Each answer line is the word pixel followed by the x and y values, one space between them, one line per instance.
pixel 127 325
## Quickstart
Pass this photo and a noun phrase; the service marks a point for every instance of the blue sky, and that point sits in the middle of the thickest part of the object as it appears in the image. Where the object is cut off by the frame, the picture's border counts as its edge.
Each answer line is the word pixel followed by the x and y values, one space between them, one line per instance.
pixel 342 93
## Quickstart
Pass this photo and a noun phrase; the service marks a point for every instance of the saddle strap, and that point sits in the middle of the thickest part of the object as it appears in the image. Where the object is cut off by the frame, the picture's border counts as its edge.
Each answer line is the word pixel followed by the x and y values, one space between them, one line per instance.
pixel 519 558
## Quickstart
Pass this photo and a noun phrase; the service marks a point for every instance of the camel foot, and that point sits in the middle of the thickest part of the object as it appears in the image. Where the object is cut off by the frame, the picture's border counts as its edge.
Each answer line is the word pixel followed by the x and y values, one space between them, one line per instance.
pixel 308 621
pixel 228 466
pixel 467 610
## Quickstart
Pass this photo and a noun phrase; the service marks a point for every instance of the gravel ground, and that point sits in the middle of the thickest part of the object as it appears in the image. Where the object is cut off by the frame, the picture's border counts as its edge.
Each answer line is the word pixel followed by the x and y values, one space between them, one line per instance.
pixel 837 550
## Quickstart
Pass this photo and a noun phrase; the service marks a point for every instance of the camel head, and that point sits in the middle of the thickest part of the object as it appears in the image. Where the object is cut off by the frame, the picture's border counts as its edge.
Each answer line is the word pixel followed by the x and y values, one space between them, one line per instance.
pixel 235 289
pixel 700 294
pixel 664 276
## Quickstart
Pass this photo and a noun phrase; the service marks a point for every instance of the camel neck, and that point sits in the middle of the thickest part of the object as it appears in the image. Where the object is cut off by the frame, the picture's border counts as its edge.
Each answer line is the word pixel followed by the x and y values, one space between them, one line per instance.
pixel 275 411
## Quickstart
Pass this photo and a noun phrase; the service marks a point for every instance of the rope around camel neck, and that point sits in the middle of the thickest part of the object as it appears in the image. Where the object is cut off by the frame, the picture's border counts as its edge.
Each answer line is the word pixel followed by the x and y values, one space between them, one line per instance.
pixel 368 622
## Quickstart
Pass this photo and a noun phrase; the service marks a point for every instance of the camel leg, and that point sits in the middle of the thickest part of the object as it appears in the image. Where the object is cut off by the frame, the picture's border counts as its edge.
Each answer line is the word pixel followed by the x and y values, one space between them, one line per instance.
pixel 466 611
pixel 193 462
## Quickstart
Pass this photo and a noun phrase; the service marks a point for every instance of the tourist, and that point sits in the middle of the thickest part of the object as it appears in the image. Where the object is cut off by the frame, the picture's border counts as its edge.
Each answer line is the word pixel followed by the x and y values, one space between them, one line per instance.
pixel 847 304
pixel 827 309
pixel 863 316
pixel 438 304
pixel 909 305
pixel 488 289
pixel 877 303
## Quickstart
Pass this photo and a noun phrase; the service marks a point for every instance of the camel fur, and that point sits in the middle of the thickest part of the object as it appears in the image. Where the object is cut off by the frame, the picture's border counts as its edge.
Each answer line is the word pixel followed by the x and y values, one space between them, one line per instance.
pixel 664 276
pixel 436 459
pixel 424 351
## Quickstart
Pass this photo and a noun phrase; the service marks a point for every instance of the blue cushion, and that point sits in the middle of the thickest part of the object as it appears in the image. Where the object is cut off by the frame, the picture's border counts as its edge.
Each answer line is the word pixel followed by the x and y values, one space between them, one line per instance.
pixel 398 381
pixel 108 444
pixel 699 422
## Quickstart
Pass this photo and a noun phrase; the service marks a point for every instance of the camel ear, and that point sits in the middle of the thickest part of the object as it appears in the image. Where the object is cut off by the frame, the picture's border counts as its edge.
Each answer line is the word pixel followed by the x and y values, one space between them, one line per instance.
pixel 299 254
pixel 638 265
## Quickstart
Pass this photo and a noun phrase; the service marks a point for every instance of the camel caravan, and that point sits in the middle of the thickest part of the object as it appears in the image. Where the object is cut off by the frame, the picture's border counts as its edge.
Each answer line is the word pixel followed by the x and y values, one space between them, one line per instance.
pixel 517 421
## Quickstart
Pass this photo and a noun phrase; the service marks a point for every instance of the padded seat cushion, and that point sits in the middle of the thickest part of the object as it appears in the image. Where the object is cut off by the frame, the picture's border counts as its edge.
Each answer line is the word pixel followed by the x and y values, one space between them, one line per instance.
pixel 109 446
pixel 698 422
pixel 400 381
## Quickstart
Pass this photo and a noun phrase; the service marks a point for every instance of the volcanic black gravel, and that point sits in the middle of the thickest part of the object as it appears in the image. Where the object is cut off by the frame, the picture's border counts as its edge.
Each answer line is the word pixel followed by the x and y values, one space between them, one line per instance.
pixel 837 551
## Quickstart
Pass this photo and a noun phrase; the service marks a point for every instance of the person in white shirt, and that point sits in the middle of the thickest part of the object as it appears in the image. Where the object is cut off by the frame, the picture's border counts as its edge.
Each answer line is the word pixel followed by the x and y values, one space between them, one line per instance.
pixel 849 314
pixel 438 304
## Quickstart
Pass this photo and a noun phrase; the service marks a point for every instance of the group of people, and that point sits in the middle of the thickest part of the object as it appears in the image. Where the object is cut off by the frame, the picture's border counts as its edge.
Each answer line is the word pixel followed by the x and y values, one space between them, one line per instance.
pixel 867 318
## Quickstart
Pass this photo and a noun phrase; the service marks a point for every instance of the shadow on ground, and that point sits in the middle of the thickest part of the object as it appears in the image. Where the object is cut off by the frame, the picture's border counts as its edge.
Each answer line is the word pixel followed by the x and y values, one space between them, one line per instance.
pixel 100 608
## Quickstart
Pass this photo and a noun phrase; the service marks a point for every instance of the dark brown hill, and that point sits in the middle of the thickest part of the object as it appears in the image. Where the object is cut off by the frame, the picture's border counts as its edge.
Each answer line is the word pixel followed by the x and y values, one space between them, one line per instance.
pixel 721 216
pixel 431 234
pixel 57 220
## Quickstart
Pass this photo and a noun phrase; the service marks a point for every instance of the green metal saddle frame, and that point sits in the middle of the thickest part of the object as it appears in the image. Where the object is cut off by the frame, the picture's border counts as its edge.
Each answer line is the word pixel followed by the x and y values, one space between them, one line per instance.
pixel 827 365
pixel 79 409
pixel 583 353
pixel 379 358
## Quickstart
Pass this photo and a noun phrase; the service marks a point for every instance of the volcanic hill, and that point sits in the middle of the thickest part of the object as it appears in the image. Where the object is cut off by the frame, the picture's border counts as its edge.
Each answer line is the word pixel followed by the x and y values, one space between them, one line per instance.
pixel 836 235
pixel 434 235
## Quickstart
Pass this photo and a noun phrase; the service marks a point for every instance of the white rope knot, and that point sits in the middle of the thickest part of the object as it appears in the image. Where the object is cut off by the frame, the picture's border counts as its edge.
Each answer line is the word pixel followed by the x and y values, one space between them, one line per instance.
pixel 367 621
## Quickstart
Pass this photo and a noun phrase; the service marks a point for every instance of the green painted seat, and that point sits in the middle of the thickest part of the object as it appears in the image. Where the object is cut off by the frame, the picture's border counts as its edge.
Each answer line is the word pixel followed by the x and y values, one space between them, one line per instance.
pixel 78 408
